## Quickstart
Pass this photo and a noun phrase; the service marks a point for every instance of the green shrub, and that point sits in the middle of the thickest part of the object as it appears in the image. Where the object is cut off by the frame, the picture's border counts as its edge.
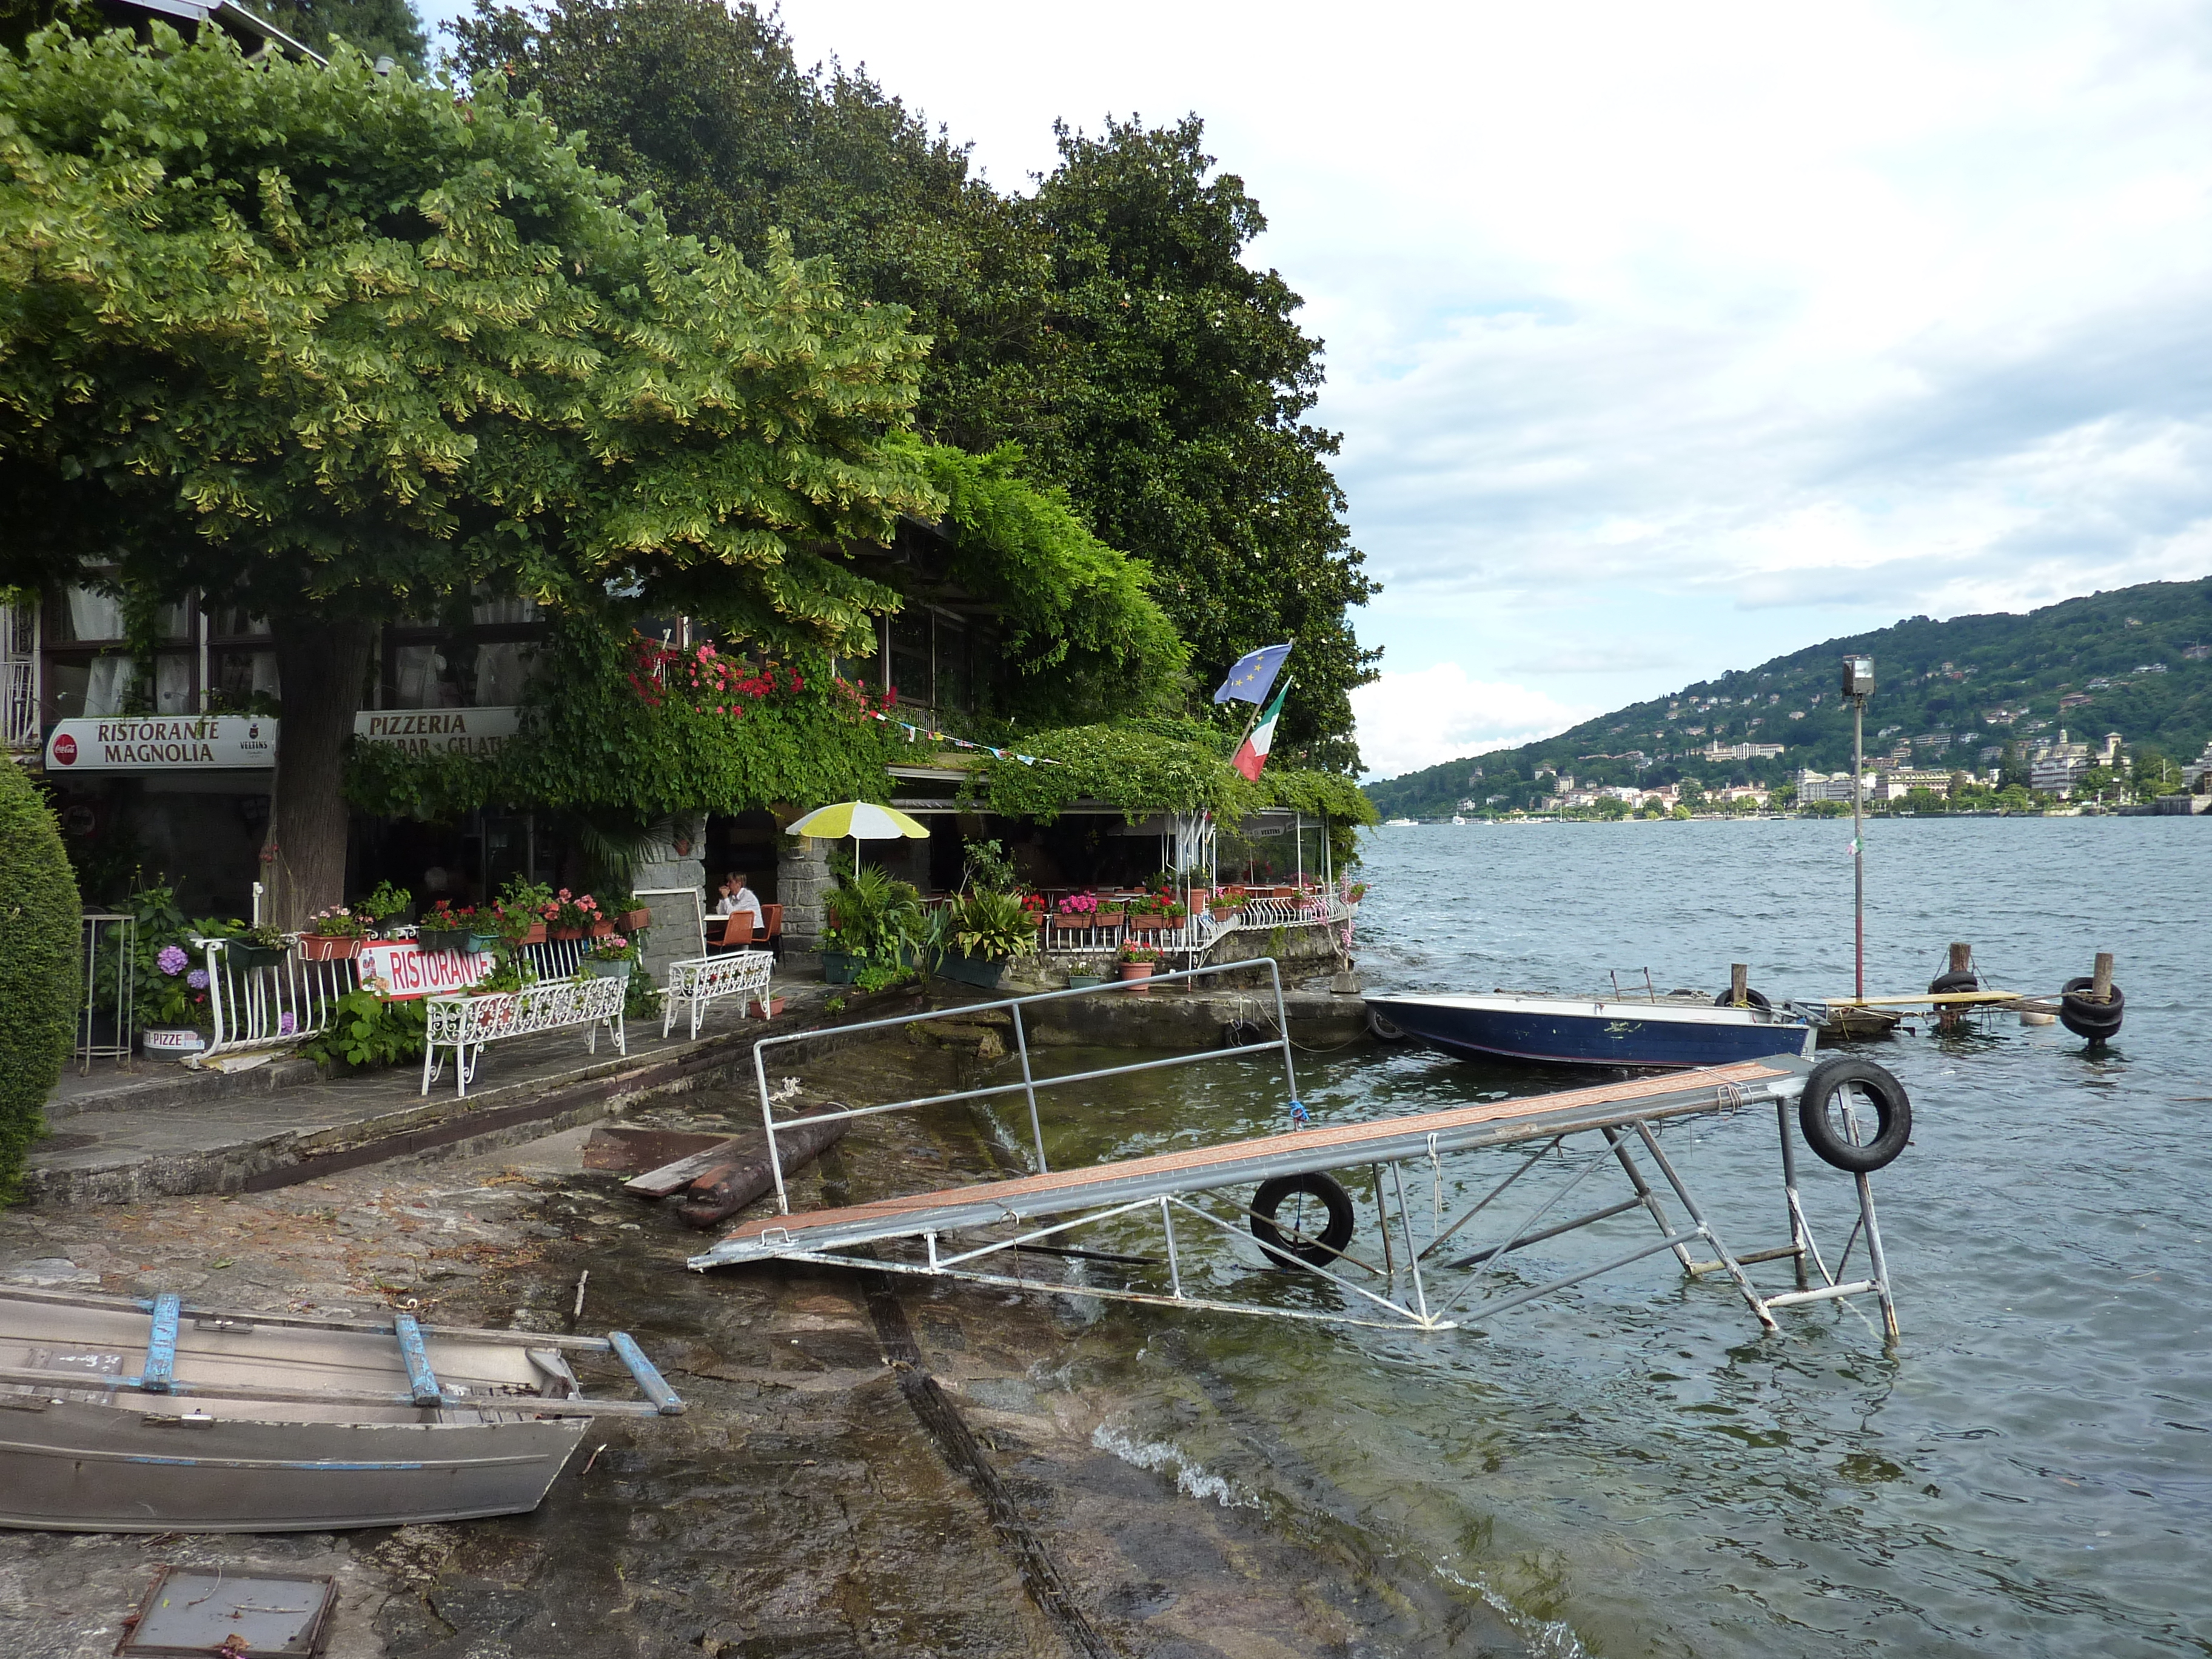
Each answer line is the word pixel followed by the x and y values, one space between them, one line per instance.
pixel 39 941
pixel 368 1030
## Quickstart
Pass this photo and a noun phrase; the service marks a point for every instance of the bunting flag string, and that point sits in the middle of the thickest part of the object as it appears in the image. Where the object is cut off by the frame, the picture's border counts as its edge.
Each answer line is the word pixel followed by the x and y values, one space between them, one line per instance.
pixel 914 732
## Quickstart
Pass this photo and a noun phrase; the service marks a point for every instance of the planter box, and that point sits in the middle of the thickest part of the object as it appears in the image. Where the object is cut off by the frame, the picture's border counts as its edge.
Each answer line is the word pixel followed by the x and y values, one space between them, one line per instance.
pixel 442 939
pixel 838 966
pixel 563 933
pixel 171 1042
pixel 634 922
pixel 483 941
pixel 1083 981
pixel 983 973
pixel 329 947
pixel 607 969
pixel 246 957
pixel 600 929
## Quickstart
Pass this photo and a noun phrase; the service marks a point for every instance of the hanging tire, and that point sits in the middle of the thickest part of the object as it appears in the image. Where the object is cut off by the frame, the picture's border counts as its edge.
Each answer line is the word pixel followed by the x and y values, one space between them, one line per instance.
pixel 2097 1022
pixel 1317 1250
pixel 1243 1033
pixel 1751 1000
pixel 1832 1141
pixel 1945 984
pixel 1381 1029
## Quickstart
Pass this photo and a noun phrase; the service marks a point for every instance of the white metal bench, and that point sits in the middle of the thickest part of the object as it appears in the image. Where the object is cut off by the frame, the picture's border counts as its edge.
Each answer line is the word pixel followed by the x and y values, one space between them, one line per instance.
pixel 465 1023
pixel 701 980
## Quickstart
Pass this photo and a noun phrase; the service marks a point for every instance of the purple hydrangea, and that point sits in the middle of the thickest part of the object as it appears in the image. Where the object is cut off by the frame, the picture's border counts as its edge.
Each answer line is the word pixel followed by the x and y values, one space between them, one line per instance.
pixel 286 1026
pixel 171 960
pixel 196 979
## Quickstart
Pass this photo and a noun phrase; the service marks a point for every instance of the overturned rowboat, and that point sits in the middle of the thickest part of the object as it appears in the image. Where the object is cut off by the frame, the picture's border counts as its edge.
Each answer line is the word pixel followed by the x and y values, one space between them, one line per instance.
pixel 121 1415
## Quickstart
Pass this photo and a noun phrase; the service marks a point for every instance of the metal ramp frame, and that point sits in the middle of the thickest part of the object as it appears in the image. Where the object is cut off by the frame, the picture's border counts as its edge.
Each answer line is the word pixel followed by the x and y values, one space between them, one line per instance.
pixel 956 1232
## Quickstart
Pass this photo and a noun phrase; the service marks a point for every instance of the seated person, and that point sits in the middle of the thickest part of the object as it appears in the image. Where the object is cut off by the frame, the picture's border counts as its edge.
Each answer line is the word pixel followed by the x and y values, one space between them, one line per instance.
pixel 737 899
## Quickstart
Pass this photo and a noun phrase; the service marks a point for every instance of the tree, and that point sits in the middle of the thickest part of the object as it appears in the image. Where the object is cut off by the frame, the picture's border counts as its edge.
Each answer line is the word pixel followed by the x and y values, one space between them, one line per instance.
pixel 1108 327
pixel 38 957
pixel 705 105
pixel 337 348
pixel 378 28
pixel 1183 438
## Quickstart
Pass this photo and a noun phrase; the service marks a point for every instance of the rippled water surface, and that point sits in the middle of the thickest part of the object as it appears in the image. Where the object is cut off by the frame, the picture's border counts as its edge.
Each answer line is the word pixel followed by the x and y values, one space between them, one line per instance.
pixel 1630 1468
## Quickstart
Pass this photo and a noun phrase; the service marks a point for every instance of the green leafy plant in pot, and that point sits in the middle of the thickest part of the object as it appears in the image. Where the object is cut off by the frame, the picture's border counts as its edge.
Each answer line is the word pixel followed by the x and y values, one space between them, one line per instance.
pixel 873 916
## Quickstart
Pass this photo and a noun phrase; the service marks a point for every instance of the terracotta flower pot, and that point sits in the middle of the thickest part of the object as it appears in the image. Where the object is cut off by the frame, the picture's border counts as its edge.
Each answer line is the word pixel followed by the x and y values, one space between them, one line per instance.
pixel 564 933
pixel 600 929
pixel 329 947
pixel 1134 969
pixel 636 921
pixel 535 936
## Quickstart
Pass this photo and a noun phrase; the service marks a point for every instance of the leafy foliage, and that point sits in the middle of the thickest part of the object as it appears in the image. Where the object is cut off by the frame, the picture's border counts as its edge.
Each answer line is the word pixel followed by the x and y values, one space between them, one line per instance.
pixel 378 28
pixel 39 946
pixel 872 914
pixel 1083 633
pixel 1109 326
pixel 993 925
pixel 334 348
pixel 369 1031
pixel 594 743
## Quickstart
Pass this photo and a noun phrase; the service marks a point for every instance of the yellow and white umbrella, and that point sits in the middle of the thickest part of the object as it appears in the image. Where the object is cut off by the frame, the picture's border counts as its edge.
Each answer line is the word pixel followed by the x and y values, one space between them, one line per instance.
pixel 861 820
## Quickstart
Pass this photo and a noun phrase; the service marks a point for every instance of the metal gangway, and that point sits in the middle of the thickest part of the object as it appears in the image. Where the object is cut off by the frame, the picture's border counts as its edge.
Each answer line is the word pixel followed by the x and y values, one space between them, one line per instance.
pixel 1299 1219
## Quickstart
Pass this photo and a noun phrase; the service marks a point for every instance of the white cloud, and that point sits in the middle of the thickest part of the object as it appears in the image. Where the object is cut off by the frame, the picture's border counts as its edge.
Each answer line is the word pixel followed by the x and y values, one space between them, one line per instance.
pixel 1410 721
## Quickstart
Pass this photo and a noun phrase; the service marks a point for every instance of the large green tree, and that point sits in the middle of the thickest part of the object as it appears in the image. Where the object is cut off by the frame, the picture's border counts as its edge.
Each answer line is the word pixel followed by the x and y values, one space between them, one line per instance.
pixel 338 347
pixel 1183 437
pixel 1108 324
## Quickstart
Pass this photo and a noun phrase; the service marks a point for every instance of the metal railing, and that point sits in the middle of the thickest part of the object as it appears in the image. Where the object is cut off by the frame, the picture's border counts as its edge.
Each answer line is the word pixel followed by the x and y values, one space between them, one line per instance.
pixel 1030 1083
pixel 286 1003
pixel 1199 932
pixel 18 706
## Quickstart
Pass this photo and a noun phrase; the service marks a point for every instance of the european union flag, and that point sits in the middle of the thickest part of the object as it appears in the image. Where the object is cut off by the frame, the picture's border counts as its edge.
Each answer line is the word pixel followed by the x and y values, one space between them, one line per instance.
pixel 1254 673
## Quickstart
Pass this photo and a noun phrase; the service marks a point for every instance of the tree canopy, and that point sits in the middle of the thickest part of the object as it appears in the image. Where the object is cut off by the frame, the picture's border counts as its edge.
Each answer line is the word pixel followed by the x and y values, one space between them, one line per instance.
pixel 1108 324
pixel 334 348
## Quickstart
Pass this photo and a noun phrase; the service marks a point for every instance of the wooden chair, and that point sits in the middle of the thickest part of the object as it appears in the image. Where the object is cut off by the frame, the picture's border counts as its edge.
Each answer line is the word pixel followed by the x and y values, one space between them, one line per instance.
pixel 739 933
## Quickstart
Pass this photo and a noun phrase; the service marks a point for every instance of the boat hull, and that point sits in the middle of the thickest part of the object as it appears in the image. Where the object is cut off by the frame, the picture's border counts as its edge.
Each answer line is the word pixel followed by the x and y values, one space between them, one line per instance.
pixel 1561 1031
pixel 77 1466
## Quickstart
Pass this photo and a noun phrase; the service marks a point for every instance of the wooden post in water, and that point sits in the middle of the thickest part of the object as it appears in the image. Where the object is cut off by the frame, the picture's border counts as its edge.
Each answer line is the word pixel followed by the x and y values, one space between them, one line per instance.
pixel 1962 957
pixel 1738 981
pixel 2100 982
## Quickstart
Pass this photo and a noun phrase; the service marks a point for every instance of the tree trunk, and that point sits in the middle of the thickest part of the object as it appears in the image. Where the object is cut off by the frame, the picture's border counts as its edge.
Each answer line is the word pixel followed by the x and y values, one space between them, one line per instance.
pixel 321 662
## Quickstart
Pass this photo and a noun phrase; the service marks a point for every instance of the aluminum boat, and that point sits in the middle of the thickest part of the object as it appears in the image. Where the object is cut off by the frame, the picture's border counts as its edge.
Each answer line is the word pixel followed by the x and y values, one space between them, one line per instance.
pixel 1576 1031
pixel 119 1415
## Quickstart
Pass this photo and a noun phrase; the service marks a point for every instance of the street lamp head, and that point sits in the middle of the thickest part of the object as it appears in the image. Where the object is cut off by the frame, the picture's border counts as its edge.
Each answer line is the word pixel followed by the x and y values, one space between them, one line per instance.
pixel 1858 676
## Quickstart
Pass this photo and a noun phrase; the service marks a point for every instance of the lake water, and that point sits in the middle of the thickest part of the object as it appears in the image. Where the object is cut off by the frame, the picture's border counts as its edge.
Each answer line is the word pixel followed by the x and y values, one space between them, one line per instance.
pixel 1629 1468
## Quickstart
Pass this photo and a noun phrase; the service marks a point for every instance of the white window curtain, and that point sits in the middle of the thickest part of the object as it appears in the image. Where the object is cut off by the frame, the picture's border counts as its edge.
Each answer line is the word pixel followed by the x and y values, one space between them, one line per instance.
pixel 94 616
pixel 109 688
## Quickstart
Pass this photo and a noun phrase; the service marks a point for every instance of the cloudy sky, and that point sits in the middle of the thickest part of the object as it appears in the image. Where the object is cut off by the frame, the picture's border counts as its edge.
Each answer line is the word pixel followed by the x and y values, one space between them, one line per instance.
pixel 1666 339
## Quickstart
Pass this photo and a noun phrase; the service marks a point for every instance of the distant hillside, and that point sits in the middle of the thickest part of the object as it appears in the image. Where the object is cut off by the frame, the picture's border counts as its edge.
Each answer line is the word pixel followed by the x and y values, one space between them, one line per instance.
pixel 2139 657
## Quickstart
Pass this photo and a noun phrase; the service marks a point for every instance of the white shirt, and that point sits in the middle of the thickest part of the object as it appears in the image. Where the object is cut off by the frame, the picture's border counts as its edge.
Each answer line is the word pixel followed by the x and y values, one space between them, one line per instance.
pixel 744 899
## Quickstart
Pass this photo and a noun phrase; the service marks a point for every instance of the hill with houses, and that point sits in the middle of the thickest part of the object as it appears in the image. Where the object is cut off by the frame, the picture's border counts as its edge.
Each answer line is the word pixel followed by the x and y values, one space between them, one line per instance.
pixel 2135 660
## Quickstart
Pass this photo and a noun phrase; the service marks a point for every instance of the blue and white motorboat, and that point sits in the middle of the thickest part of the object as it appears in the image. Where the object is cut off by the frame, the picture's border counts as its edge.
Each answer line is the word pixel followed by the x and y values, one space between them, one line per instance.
pixel 1673 1031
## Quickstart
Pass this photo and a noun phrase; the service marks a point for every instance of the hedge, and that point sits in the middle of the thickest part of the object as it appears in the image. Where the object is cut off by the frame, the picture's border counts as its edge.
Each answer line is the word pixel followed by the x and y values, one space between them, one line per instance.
pixel 38 939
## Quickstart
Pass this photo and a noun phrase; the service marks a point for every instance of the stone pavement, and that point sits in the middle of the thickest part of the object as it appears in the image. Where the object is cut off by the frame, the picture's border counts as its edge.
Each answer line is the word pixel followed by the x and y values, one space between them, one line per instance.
pixel 164 1130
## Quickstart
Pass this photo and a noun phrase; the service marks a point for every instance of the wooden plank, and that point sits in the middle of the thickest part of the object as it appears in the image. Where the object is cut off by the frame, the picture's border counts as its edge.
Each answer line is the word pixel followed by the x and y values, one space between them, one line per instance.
pixel 675 1178
pixel 627 1148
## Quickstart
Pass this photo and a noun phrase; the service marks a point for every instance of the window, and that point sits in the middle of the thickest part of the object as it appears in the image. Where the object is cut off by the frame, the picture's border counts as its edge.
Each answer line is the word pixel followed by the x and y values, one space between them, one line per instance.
pixel 912 670
pixel 87 674
pixel 484 665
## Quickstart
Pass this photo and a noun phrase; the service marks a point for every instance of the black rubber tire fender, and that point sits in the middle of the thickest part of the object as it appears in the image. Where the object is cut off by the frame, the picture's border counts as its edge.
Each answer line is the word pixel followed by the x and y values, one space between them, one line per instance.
pixel 1243 1033
pixel 1382 1029
pixel 1892 1110
pixel 1945 984
pixel 1320 1252
pixel 1751 1000
pixel 2096 1022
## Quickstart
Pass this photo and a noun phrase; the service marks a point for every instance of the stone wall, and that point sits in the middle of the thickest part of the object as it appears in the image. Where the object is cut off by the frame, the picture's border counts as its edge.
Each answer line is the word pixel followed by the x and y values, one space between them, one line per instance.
pixel 802 886
pixel 676 858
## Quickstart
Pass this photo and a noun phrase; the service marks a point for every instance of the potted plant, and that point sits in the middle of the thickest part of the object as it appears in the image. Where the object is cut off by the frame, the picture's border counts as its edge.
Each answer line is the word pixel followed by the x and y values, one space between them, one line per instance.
pixel 257 947
pixel 333 935
pixel 181 1016
pixel 445 928
pixel 872 917
pixel 988 928
pixel 571 915
pixel 1136 962
pixel 612 956
pixel 1077 912
pixel 631 915
pixel 1226 904
pixel 386 907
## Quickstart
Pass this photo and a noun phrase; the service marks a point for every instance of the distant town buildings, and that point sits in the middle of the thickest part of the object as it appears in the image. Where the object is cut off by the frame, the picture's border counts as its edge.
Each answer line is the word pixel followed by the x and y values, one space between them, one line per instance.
pixel 1717 750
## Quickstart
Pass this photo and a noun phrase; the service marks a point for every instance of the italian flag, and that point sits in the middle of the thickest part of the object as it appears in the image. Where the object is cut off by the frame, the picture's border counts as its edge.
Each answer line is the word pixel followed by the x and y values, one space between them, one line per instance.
pixel 1253 754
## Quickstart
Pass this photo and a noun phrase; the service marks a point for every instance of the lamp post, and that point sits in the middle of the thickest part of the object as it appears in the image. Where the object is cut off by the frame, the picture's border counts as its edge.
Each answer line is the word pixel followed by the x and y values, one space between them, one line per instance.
pixel 1858 686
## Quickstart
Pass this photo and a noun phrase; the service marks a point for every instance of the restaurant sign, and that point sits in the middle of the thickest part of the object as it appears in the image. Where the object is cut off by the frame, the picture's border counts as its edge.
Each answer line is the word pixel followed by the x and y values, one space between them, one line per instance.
pixel 479 732
pixel 401 970
pixel 161 742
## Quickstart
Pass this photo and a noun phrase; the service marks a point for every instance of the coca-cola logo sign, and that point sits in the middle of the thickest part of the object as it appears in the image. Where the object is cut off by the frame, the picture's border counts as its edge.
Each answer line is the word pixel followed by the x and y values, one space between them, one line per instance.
pixel 65 751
